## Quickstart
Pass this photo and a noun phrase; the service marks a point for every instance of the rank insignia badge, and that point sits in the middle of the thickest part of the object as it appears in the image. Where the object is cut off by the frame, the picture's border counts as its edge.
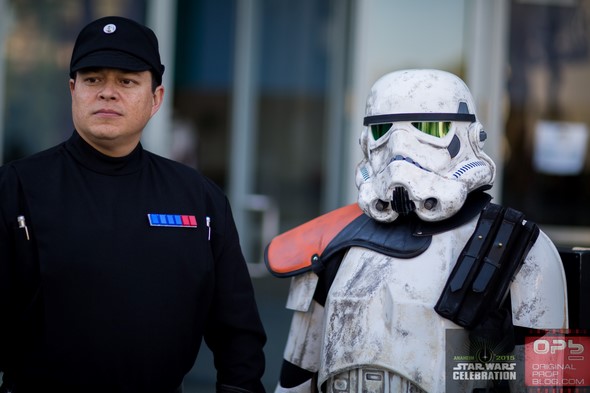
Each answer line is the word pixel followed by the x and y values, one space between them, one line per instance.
pixel 172 220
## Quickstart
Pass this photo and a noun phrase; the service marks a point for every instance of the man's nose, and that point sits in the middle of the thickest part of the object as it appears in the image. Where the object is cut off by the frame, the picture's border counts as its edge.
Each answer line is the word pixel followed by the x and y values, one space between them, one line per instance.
pixel 108 92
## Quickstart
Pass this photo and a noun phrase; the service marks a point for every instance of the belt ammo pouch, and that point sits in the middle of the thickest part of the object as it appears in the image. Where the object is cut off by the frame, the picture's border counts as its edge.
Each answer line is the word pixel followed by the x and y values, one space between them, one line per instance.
pixel 480 280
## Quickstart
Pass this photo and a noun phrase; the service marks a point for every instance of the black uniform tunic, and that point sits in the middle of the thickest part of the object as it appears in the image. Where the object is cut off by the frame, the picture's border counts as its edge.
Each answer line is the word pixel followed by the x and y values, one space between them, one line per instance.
pixel 94 298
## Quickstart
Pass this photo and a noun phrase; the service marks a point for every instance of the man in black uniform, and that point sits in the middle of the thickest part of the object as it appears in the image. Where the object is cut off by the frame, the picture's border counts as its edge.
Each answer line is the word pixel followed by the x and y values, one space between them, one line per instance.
pixel 116 263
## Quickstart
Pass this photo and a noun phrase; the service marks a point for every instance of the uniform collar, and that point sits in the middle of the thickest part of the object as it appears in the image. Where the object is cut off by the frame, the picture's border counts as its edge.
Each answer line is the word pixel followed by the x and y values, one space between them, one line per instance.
pixel 94 160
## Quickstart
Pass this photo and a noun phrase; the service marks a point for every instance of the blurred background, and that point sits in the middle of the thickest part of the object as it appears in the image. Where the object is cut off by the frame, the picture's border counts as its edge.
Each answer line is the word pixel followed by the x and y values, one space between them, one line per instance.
pixel 266 97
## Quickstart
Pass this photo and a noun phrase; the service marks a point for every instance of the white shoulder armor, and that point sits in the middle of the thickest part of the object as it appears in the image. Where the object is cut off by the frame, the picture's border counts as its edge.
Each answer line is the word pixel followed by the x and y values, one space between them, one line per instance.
pixel 301 291
pixel 539 290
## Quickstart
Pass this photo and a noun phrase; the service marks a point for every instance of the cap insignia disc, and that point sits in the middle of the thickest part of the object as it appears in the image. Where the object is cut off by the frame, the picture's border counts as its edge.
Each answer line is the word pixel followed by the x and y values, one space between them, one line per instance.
pixel 110 28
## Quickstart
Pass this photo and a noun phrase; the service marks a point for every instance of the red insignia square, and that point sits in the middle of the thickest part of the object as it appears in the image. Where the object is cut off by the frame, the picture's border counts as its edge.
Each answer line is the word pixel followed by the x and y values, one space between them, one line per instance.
pixel 192 221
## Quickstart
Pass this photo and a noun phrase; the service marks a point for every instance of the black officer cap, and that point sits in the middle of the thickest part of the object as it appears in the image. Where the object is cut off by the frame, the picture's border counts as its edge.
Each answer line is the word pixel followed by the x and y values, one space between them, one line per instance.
pixel 117 42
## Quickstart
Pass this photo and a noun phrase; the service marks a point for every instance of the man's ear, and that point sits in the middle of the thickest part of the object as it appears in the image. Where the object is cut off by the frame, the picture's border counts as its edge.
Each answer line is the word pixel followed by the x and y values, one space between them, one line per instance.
pixel 72 85
pixel 158 98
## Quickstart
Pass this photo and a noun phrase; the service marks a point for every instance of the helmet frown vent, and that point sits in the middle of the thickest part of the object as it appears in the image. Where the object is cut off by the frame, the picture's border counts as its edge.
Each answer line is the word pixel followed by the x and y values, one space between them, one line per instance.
pixel 401 202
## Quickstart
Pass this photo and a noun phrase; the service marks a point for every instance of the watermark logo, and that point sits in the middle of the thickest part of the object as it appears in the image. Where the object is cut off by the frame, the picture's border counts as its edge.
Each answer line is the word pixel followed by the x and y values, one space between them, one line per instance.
pixel 477 361
pixel 543 361
pixel 557 359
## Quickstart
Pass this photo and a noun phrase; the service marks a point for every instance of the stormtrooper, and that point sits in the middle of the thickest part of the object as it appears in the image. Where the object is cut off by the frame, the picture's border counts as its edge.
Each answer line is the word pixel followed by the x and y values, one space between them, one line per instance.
pixel 382 288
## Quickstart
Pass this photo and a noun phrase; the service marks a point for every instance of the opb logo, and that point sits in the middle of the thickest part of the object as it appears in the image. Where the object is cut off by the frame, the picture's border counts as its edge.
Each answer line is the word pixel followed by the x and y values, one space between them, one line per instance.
pixel 572 350
pixel 557 359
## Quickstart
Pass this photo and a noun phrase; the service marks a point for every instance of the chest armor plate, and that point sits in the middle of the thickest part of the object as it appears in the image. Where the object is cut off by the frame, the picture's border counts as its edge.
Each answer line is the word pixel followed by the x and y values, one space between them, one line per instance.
pixel 379 312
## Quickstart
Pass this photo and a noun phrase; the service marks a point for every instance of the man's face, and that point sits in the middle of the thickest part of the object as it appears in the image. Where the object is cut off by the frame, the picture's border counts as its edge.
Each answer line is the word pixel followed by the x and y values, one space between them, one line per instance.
pixel 110 107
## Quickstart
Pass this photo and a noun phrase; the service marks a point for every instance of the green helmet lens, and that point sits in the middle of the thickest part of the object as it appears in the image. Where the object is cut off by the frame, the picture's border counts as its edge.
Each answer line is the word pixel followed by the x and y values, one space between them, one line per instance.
pixel 435 128
pixel 378 130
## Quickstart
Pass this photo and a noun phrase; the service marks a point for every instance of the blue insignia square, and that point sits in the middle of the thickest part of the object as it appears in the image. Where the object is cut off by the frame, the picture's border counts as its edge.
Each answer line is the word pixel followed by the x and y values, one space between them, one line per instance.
pixel 154 219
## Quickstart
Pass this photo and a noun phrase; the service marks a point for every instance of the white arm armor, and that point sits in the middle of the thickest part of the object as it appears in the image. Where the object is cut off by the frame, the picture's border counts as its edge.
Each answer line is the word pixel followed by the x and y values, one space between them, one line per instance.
pixel 305 338
pixel 306 332
pixel 539 291
pixel 304 342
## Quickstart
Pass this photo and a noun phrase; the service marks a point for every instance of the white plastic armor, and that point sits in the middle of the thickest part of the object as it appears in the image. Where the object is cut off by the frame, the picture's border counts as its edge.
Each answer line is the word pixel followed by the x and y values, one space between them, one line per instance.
pixel 378 330
pixel 380 315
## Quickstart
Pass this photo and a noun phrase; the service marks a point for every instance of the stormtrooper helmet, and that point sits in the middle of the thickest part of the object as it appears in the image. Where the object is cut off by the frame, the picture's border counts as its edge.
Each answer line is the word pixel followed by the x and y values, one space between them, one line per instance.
pixel 422 147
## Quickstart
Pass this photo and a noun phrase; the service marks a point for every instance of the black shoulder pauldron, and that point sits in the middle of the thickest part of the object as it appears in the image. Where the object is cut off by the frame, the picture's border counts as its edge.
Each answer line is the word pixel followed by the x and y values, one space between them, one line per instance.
pixel 406 237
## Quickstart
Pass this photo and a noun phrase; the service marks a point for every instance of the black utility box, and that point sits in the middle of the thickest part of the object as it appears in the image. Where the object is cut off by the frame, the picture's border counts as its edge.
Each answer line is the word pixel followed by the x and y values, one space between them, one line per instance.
pixel 576 263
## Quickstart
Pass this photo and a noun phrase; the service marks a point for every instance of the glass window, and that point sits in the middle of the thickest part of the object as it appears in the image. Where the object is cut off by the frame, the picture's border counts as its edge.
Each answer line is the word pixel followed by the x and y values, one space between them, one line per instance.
pixel 290 89
pixel 547 170
pixel 292 105
pixel 203 83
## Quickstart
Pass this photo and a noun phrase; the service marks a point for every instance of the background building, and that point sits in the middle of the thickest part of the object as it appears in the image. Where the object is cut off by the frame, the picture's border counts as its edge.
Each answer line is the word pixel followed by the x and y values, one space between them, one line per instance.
pixel 266 97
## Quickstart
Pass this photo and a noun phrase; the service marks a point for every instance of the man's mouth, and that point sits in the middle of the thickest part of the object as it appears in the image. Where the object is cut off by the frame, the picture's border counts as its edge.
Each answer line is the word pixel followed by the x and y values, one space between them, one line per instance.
pixel 107 112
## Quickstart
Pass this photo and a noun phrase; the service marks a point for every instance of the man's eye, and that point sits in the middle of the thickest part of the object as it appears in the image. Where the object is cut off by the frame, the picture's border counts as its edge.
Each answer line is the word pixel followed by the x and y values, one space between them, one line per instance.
pixel 378 130
pixel 435 128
